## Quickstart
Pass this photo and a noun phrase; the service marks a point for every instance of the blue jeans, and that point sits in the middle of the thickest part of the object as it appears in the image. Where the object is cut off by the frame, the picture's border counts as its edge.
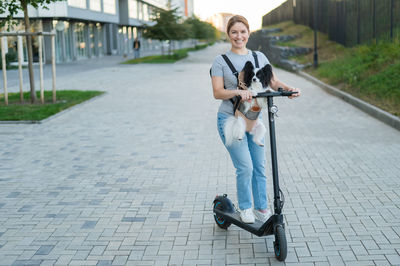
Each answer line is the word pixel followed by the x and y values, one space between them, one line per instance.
pixel 249 160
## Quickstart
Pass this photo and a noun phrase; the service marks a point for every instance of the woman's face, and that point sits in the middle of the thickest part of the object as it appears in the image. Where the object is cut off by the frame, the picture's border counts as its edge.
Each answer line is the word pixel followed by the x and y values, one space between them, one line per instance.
pixel 238 35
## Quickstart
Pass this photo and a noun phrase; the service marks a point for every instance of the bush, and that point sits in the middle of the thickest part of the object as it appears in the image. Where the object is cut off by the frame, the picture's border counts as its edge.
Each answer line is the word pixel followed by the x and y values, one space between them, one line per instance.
pixel 11 56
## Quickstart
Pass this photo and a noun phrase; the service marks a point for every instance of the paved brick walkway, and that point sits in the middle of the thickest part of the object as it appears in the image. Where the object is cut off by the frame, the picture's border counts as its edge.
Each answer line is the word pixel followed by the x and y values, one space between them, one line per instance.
pixel 128 178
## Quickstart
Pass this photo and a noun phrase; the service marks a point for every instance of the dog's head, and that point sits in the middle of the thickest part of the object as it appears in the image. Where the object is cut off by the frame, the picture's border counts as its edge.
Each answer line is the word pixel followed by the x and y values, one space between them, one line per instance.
pixel 262 75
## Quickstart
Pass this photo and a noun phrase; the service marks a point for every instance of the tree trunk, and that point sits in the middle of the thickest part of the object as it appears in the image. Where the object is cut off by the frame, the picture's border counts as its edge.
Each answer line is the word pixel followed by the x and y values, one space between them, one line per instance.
pixel 30 52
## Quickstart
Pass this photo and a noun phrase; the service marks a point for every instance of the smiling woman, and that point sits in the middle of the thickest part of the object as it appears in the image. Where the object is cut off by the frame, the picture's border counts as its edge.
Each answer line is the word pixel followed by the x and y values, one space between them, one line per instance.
pixel 247 153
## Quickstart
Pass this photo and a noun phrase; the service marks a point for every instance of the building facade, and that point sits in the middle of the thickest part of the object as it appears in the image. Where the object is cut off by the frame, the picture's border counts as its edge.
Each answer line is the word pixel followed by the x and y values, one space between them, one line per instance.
pixel 92 28
pixel 185 7
pixel 220 20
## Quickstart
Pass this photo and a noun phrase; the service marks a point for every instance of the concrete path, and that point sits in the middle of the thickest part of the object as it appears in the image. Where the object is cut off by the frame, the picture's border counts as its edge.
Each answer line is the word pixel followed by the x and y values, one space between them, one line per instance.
pixel 129 177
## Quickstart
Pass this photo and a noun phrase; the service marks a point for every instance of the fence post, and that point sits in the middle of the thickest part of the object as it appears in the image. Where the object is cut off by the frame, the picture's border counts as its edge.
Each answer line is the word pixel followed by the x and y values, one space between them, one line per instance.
pixel 3 60
pixel 391 19
pixel 358 21
pixel 315 34
pixel 41 69
pixel 374 20
pixel 19 51
pixel 53 64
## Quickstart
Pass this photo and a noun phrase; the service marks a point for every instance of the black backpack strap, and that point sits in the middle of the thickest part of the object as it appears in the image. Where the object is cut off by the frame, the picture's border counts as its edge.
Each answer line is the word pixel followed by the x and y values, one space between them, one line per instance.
pixel 255 59
pixel 230 65
pixel 235 100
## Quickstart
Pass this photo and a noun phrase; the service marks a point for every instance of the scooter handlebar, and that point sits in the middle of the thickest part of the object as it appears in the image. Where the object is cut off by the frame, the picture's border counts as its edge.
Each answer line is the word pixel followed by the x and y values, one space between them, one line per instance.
pixel 280 92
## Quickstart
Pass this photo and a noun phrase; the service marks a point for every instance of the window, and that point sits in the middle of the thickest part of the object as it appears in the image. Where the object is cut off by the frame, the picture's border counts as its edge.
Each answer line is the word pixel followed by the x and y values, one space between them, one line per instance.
pixel 59 26
pixel 151 12
pixel 92 40
pixel 95 5
pixel 80 35
pixel 68 41
pixel 133 9
pixel 100 33
pixel 140 10
pixel 145 12
pixel 109 6
pixel 77 3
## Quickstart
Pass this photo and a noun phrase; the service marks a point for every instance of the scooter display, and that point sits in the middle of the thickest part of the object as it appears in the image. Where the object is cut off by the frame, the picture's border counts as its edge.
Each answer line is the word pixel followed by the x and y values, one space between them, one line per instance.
pixel 225 212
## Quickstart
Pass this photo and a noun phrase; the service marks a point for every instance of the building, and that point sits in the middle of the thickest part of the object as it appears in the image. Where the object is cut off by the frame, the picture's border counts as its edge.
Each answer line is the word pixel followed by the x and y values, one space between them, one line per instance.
pixel 93 28
pixel 220 20
pixel 185 7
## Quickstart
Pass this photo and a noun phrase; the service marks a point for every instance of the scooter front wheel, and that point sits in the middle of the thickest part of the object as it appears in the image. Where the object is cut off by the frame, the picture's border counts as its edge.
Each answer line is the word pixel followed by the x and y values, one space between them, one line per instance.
pixel 220 221
pixel 280 244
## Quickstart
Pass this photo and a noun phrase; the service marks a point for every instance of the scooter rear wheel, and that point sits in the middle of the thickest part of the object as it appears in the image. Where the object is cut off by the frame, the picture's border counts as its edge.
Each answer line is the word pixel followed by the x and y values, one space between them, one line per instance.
pixel 280 244
pixel 220 221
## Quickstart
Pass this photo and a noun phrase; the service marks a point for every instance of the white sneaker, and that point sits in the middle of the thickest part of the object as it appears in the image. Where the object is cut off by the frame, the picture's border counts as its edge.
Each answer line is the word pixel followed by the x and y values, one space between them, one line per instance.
pixel 262 216
pixel 247 216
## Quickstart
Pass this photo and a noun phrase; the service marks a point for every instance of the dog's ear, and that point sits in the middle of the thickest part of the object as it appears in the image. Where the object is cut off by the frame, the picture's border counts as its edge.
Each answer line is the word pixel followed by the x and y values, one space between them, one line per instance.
pixel 248 73
pixel 268 75
pixel 248 66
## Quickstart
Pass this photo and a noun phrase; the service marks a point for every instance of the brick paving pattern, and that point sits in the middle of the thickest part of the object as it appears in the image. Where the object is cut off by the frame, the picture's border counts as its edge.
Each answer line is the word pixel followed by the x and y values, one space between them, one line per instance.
pixel 129 177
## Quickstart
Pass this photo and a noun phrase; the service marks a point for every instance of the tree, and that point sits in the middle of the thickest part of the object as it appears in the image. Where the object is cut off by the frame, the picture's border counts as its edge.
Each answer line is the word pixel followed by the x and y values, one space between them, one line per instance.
pixel 201 30
pixel 167 27
pixel 12 7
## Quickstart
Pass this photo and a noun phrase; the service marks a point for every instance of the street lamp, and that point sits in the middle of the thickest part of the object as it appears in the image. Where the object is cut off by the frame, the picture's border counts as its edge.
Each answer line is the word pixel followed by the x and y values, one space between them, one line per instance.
pixel 315 34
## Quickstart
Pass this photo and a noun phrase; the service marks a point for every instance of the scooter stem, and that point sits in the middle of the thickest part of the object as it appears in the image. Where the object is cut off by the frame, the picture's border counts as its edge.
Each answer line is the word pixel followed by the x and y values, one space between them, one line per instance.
pixel 274 161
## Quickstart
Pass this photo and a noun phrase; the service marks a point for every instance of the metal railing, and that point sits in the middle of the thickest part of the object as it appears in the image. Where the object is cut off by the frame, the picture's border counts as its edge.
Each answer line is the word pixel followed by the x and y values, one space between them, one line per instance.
pixel 19 36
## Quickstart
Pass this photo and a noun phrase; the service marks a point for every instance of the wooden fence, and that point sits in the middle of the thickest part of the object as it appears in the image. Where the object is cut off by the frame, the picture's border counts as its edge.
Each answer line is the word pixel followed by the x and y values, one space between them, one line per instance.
pixel 53 62
pixel 349 22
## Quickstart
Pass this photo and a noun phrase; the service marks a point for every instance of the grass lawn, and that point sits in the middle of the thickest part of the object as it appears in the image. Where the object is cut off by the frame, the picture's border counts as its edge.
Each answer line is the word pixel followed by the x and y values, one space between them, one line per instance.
pixel 153 59
pixel 369 71
pixel 17 111
pixel 165 59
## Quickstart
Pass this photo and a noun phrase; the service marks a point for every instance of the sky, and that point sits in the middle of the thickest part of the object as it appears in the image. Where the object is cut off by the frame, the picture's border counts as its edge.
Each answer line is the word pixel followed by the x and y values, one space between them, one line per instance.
pixel 252 10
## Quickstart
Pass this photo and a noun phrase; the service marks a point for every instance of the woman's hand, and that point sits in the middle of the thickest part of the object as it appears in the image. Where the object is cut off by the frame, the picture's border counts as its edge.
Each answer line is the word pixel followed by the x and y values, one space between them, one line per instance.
pixel 246 95
pixel 296 94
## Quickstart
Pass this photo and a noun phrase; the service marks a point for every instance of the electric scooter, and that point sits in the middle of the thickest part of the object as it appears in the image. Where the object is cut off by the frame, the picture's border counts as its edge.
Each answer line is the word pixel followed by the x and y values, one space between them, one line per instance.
pixel 225 212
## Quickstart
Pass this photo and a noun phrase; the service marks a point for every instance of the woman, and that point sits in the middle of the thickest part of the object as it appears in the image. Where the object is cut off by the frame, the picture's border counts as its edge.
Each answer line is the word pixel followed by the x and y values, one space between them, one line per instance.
pixel 248 158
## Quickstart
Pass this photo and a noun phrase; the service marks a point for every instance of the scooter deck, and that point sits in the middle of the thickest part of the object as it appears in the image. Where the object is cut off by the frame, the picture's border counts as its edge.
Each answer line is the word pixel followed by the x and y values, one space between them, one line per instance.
pixel 258 227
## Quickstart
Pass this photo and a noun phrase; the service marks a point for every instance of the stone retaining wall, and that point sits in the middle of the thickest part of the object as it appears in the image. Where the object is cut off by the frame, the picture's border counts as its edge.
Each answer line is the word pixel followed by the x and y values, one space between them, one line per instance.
pixel 277 55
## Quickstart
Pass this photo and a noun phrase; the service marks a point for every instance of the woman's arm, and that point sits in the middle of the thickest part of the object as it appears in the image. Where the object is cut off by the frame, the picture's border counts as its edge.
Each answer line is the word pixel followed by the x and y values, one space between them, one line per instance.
pixel 222 94
pixel 276 84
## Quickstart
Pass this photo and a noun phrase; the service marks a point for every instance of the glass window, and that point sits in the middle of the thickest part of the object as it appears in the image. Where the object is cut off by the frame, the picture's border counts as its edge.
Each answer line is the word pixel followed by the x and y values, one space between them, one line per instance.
pixel 120 40
pixel 92 40
pixel 59 26
pixel 80 36
pixel 151 12
pixel 130 41
pixel 77 3
pixel 140 6
pixel 100 33
pixel 109 6
pixel 68 41
pixel 95 5
pixel 145 12
pixel 133 9
pixel 135 32
pixel 36 26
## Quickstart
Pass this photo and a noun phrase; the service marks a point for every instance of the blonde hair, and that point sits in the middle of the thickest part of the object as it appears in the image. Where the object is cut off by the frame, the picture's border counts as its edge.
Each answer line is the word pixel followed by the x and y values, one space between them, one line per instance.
pixel 237 19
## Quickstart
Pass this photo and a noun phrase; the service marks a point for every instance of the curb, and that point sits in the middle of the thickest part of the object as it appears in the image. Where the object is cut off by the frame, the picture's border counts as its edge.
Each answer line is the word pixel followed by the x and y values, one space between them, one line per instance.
pixel 373 111
pixel 33 122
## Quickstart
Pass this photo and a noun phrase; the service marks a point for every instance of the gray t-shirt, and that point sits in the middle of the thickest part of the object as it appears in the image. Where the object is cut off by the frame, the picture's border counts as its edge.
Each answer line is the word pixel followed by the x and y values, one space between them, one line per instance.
pixel 221 69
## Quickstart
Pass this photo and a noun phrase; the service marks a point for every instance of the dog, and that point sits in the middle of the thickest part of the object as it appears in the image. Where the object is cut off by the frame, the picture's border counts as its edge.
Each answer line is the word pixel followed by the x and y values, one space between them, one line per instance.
pixel 246 116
